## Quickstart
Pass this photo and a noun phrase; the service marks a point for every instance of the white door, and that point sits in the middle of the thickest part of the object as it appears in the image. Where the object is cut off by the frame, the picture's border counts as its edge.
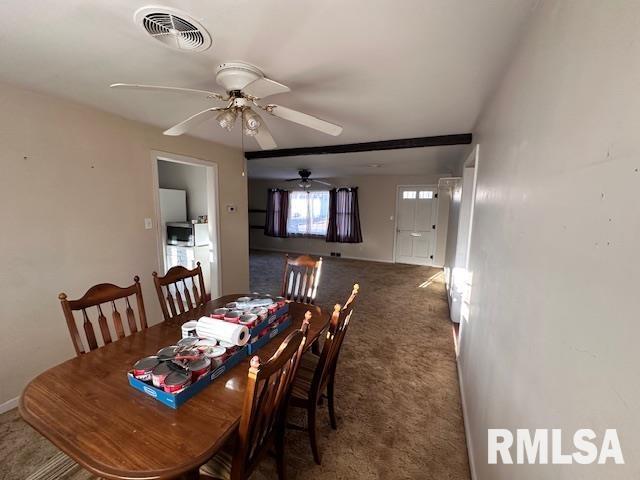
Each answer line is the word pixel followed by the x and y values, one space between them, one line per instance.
pixel 415 224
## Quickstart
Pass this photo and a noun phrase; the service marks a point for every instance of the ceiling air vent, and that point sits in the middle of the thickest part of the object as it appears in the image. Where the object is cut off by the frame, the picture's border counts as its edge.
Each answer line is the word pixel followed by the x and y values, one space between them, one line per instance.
pixel 173 28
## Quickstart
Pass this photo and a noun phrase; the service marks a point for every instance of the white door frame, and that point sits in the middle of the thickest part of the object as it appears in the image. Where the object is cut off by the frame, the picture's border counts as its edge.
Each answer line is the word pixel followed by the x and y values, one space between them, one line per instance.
pixel 212 212
pixel 395 223
pixel 461 276
pixel 444 186
pixel 472 161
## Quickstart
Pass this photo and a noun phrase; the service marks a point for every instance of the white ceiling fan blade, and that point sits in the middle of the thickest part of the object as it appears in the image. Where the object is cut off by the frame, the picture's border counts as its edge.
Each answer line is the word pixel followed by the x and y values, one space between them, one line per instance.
pixel 263 87
pixel 264 138
pixel 304 119
pixel 158 88
pixel 193 120
pixel 323 183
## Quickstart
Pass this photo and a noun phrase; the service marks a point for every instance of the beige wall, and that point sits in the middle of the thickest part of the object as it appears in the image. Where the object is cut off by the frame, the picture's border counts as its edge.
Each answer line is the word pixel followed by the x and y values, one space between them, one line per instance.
pixel 75 187
pixel 192 179
pixel 377 201
pixel 552 337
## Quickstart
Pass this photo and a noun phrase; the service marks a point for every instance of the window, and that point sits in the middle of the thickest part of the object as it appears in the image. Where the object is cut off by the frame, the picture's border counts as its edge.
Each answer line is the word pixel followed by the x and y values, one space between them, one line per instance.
pixel 308 213
pixel 422 194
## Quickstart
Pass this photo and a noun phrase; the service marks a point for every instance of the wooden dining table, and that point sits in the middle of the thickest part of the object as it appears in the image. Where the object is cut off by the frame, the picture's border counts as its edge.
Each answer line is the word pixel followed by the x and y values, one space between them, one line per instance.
pixel 86 407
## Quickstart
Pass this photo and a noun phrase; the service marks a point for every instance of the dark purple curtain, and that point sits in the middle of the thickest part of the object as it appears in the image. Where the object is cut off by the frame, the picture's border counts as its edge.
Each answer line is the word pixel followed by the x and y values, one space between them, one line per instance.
pixel 344 216
pixel 275 224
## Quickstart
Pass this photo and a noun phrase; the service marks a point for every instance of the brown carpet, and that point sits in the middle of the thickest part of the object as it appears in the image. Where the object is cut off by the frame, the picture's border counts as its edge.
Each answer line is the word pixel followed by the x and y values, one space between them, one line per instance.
pixel 397 396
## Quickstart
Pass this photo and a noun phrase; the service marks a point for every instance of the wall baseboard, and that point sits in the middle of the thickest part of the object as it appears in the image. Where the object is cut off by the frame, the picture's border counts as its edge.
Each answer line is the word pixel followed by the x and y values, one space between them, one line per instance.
pixel 465 419
pixel 349 257
pixel 366 259
pixel 9 405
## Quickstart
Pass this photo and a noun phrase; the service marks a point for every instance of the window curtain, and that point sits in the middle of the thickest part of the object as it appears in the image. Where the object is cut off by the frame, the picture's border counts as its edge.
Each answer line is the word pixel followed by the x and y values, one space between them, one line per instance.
pixel 344 216
pixel 275 224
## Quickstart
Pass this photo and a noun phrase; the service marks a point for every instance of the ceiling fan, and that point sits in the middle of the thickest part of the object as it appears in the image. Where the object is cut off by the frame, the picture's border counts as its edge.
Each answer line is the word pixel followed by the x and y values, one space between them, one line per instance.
pixel 305 181
pixel 244 85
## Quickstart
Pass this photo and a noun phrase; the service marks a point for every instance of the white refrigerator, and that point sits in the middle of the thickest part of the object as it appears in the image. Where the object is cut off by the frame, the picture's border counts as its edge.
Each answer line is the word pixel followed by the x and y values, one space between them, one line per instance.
pixel 173 209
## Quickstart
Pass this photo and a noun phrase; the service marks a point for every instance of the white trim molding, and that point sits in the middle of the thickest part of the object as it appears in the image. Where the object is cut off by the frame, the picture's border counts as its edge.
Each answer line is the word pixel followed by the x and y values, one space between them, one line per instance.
pixel 465 419
pixel 348 257
pixel 9 405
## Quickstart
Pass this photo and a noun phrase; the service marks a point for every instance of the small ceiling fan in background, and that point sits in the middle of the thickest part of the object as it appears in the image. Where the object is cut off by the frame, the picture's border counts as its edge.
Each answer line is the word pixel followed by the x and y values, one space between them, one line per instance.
pixel 305 181
pixel 244 85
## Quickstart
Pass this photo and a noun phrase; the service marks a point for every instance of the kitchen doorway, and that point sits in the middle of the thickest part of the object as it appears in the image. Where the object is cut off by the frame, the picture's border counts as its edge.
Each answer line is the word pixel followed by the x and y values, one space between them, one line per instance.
pixel 186 204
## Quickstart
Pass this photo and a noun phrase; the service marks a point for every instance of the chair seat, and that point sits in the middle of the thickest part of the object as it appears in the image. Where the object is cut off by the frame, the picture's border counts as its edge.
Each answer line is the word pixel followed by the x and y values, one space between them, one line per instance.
pixel 219 467
pixel 304 377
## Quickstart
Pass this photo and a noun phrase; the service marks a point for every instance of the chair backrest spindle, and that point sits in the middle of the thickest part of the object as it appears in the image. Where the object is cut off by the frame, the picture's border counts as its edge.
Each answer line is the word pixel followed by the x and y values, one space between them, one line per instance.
pixel 131 319
pixel 117 320
pixel 104 327
pixel 88 331
pixel 187 295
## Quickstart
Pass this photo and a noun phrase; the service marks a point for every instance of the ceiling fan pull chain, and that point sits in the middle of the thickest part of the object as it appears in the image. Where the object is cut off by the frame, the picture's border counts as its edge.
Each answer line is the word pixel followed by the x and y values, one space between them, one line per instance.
pixel 242 133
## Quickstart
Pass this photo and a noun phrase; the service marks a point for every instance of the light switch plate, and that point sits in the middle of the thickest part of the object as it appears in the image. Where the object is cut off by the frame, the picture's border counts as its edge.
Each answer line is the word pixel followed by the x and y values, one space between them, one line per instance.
pixel 148 224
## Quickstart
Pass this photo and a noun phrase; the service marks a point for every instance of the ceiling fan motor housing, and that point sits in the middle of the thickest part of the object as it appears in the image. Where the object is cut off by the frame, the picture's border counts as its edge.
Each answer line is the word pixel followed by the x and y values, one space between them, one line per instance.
pixel 234 76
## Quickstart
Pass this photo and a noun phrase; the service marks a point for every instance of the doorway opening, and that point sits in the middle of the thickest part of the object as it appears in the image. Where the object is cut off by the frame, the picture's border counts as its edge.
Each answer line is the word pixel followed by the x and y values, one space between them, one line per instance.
pixel 416 213
pixel 186 203
pixel 458 271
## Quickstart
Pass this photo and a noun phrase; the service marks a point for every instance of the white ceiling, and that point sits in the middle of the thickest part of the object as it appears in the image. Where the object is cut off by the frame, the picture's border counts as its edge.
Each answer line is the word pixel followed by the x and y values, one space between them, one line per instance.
pixel 382 69
pixel 410 161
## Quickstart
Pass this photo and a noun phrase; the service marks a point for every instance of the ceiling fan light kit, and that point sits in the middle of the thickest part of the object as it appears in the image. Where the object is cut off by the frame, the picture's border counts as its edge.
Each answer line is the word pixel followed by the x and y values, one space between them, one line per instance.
pixel 226 119
pixel 252 122
pixel 244 85
pixel 305 181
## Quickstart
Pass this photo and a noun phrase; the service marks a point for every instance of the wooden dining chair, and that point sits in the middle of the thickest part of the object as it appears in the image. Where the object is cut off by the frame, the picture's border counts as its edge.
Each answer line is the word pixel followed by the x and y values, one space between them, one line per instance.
pixel 99 296
pixel 180 290
pixel 263 414
pixel 301 277
pixel 317 373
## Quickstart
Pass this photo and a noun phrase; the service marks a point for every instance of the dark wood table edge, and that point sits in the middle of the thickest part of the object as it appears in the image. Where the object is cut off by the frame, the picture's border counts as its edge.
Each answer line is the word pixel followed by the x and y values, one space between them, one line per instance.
pixel 118 475
pixel 157 474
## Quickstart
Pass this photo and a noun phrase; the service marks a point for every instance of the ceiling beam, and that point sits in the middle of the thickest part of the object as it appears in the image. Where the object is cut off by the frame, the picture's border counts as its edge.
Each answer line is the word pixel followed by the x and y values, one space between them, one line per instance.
pixel 419 142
